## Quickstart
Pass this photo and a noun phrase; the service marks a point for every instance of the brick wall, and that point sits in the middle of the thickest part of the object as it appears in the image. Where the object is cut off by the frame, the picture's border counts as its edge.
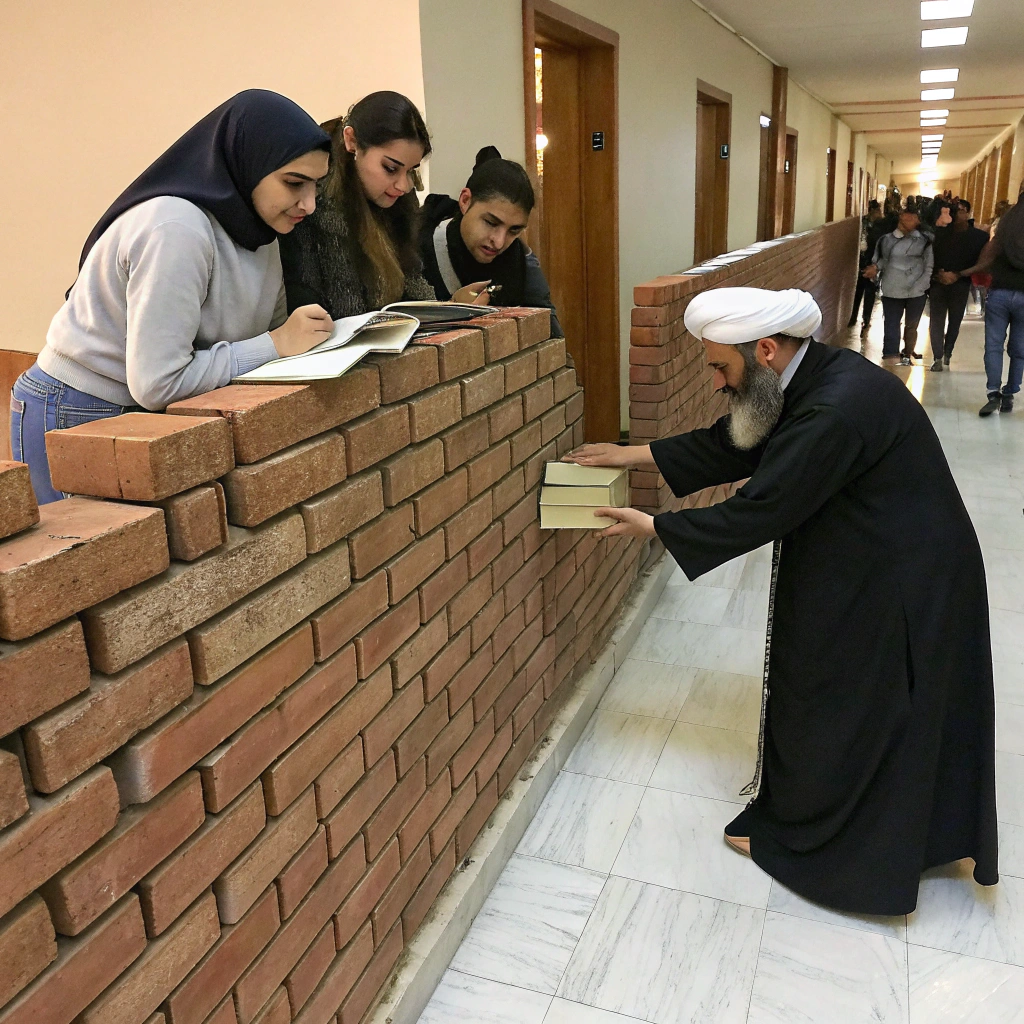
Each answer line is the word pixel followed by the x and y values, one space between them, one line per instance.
pixel 669 390
pixel 258 701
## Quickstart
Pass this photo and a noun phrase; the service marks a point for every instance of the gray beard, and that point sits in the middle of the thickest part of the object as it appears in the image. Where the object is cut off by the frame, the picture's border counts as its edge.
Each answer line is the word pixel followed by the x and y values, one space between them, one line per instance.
pixel 755 407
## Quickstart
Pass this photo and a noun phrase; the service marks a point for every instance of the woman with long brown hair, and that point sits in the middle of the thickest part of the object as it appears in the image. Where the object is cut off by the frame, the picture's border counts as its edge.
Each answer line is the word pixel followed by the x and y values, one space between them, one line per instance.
pixel 359 251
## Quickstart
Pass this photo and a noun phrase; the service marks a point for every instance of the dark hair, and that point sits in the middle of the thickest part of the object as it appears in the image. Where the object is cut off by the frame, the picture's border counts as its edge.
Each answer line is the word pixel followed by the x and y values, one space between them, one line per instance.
pixel 874 205
pixel 496 178
pixel 386 249
pixel 966 204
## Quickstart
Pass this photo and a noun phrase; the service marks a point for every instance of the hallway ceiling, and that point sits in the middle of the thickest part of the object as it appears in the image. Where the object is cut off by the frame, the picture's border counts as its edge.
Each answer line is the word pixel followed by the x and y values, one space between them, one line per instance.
pixel 864 58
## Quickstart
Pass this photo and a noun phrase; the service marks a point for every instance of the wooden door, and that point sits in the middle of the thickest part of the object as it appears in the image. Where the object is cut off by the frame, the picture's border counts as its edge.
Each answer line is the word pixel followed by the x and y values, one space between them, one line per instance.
pixel 849 188
pixel 711 195
pixel 764 225
pixel 789 196
pixel 830 186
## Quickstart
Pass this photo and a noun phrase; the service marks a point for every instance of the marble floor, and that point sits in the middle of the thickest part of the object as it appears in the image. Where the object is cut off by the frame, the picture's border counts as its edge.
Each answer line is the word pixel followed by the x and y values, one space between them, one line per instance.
pixel 622 903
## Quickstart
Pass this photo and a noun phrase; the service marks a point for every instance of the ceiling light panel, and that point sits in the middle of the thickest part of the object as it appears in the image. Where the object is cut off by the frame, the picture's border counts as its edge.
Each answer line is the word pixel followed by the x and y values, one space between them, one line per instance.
pixel 936 10
pixel 934 113
pixel 932 138
pixel 944 36
pixel 936 94
pixel 940 75
pixel 929 161
pixel 933 122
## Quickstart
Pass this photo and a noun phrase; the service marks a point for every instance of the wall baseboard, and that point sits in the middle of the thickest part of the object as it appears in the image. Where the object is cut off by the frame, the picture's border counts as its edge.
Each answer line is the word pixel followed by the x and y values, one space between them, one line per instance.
pixel 425 959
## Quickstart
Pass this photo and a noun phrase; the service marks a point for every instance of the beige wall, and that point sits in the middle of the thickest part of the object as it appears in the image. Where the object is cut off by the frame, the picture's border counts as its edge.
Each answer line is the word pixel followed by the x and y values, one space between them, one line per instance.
pixel 93 91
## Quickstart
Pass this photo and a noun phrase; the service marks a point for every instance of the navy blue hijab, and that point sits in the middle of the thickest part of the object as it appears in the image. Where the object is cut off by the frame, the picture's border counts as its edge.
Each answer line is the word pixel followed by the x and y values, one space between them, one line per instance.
pixel 218 162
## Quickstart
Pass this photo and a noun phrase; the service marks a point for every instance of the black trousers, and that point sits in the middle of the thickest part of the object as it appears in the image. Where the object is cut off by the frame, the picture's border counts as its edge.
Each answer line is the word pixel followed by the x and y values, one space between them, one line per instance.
pixel 946 306
pixel 866 290
pixel 894 310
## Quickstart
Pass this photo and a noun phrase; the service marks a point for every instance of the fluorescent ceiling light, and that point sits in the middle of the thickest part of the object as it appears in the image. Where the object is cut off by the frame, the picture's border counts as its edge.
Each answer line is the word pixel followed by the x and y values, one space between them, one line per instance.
pixel 940 75
pixel 929 161
pixel 933 122
pixel 931 145
pixel 936 94
pixel 944 36
pixel 935 10
pixel 935 113
pixel 932 138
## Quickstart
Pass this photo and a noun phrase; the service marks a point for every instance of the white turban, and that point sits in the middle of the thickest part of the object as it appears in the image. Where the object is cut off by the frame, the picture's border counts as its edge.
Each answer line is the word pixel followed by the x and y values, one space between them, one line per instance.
pixel 732 316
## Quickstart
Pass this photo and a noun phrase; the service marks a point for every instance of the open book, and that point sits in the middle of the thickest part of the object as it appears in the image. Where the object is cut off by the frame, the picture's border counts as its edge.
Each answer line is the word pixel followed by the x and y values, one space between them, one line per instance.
pixel 353 337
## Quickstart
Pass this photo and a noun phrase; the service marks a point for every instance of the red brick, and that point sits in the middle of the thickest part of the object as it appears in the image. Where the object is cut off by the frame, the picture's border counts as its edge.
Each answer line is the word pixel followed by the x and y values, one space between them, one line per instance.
pixel 519 518
pixel 224 1014
pixel 377 643
pixel 347 768
pixel 411 658
pixel 27 946
pixel 449 660
pixel 481 389
pixel 421 902
pixel 141 839
pixel 491 757
pixel 81 552
pixel 373 978
pixel 474 821
pixel 437 591
pixel 449 740
pixel 467 524
pixel 356 909
pixel 421 733
pixel 507 492
pixel 457 809
pixel 227 770
pixel 550 356
pixel 434 410
pixel 525 442
pixel 384 825
pixel 463 441
pixel 472 750
pixel 139 455
pixel 13 801
pixel 574 407
pixel 565 383
pixel 264 418
pixel 440 502
pixel 301 873
pixel 527 708
pixel 259 983
pixel 336 513
pixel 411 470
pixel 373 544
pixel 538 399
pixel 338 981
pixel 125 628
pixel 355 810
pixel 501 336
pixel 515 758
pixel 485 470
pixel 257 491
pixel 23 695
pixel 381 733
pixel 276 1011
pixel 520 371
pixel 18 509
pixel 484 550
pixel 54 832
pixel 459 352
pixel 64 743
pixel 170 888
pixel 337 623
pixel 468 679
pixel 405 373
pixel 154 975
pixel 552 423
pixel 506 631
pixel 83 969
pixel 376 436
pixel 154 758
pixel 240 885
pixel 414 565
pixel 487 693
pixel 534 325
pixel 486 622
pixel 306 974
pixel 297 768
pixel 526 644
pixel 424 814
pixel 213 977
pixel 505 418
pixel 507 564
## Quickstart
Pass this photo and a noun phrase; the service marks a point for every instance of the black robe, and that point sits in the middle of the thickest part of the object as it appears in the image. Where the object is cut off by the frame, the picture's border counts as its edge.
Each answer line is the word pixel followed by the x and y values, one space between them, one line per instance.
pixel 879 743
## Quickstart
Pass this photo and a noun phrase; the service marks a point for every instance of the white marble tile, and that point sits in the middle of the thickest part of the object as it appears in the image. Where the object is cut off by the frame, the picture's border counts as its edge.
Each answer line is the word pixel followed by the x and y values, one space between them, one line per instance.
pixel 1009 681
pixel 726 576
pixel 722 648
pixel 676 841
pixel 946 988
pixel 582 821
pixel 747 609
pixel 956 914
pixel 665 956
pixel 463 999
pixel 564 1012
pixel 785 901
pixel 647 688
pixel 1011 849
pixel 529 924
pixel 724 700
pixel 808 971
pixel 756 576
pixel 1010 787
pixel 1008 625
pixel 621 747
pixel 1010 728
pixel 693 604
pixel 714 763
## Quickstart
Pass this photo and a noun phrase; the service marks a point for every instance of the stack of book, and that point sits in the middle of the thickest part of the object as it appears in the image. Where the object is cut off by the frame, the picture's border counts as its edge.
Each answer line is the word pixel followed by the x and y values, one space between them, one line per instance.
pixel 571 494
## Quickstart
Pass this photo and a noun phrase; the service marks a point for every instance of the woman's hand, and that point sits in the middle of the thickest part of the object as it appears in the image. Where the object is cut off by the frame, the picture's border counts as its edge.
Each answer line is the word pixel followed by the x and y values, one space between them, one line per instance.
pixel 631 523
pixel 305 328
pixel 611 455
pixel 473 294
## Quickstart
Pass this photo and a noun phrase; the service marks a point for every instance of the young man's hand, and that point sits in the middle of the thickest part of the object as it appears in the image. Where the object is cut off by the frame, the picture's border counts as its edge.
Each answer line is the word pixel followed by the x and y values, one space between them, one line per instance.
pixel 631 523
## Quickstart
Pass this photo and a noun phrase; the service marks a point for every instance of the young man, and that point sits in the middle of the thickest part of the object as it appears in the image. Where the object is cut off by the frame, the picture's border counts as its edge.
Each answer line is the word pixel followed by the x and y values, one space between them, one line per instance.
pixel 956 247
pixel 873 226
pixel 902 266
pixel 878 748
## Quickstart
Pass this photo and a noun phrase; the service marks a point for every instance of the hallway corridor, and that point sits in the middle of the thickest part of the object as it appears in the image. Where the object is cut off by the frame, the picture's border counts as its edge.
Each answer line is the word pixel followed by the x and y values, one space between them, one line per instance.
pixel 623 903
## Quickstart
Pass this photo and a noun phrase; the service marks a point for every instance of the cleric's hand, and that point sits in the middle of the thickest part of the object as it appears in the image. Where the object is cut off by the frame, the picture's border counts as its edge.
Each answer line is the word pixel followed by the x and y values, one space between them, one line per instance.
pixel 631 523
pixel 600 454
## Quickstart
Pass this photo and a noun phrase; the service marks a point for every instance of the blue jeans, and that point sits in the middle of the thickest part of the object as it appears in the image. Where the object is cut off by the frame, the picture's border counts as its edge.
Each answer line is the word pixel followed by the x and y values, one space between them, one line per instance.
pixel 40 403
pixel 1004 309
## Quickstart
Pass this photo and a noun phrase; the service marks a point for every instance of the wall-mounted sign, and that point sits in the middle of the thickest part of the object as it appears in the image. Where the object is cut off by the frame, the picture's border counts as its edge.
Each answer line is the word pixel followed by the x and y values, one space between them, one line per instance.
pixel 725 152
pixel 597 141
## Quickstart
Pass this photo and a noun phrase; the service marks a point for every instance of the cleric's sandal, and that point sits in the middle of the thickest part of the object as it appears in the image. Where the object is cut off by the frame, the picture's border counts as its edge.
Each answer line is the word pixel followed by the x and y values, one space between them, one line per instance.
pixel 739 843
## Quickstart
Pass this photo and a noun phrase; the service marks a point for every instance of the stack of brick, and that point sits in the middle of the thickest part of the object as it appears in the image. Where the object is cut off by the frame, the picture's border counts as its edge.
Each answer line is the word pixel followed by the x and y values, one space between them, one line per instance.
pixel 257 703
pixel 670 391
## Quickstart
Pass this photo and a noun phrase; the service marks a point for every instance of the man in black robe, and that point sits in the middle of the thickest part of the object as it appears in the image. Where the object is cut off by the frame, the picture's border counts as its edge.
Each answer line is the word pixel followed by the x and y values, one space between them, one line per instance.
pixel 877 752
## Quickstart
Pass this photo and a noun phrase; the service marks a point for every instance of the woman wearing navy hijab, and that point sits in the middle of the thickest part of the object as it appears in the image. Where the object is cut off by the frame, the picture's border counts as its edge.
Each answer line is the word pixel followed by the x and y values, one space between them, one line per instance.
pixel 180 287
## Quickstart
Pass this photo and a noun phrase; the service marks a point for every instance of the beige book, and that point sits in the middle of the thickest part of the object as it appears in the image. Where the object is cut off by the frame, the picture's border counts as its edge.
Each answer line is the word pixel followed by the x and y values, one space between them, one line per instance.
pixel 572 517
pixel 615 495
pixel 568 474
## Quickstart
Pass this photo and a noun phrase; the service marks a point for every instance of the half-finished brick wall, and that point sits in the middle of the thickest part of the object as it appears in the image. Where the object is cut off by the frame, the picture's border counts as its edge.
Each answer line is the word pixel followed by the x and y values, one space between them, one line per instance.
pixel 260 692
pixel 670 390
